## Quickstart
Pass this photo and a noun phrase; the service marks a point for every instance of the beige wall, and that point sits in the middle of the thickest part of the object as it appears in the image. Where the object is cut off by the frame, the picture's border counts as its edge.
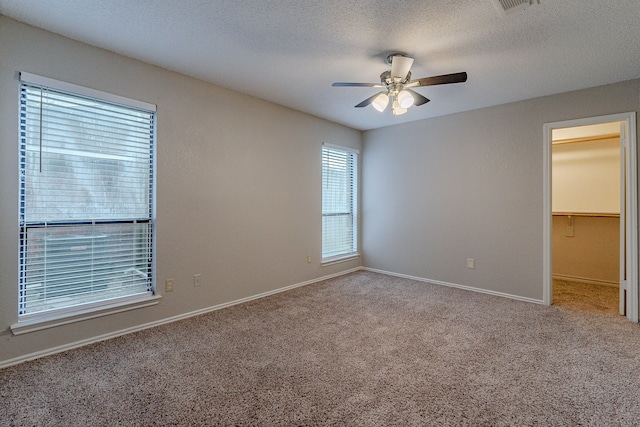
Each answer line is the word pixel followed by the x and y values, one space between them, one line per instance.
pixel 586 176
pixel 470 185
pixel 589 251
pixel 238 185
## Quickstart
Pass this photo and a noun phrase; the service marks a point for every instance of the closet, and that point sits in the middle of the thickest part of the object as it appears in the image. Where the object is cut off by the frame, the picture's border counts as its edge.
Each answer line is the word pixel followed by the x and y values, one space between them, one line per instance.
pixel 586 204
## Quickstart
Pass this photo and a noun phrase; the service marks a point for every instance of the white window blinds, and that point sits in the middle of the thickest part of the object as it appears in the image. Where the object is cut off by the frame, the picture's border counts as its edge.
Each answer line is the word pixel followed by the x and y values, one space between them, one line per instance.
pixel 86 198
pixel 339 202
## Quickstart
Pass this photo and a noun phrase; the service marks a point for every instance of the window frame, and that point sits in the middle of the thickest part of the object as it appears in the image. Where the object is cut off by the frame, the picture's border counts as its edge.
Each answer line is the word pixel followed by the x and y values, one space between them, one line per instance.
pixel 28 322
pixel 354 212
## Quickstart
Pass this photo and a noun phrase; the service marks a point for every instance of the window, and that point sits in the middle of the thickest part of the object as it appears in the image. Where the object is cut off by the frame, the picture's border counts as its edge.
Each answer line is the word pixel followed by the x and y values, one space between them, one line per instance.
pixel 339 203
pixel 86 199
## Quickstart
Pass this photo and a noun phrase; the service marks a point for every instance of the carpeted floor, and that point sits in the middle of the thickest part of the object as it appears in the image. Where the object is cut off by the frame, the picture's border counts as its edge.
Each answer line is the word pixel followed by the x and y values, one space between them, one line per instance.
pixel 586 297
pixel 359 350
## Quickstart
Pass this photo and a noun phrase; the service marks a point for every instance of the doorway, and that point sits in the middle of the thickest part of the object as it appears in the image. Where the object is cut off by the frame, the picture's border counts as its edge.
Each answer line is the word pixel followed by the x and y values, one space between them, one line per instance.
pixel 567 209
pixel 585 201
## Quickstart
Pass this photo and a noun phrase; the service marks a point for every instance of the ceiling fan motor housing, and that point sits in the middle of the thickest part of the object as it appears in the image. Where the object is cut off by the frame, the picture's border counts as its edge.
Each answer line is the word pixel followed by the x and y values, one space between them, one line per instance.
pixel 386 79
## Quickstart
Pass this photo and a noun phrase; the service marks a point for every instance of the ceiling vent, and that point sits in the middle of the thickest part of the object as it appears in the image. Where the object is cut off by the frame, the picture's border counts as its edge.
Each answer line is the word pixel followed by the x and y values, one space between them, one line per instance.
pixel 511 6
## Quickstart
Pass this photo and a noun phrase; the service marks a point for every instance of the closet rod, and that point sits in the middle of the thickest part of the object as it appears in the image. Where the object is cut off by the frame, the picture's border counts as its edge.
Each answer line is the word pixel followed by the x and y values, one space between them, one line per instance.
pixel 603 215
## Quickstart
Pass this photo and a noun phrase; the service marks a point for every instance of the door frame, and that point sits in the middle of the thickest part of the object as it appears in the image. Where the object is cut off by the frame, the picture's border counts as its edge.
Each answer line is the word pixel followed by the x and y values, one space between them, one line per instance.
pixel 630 214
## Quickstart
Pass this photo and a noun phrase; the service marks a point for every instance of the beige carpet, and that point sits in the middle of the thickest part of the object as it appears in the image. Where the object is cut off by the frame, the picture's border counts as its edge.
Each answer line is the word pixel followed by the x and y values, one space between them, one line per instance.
pixel 586 297
pixel 360 350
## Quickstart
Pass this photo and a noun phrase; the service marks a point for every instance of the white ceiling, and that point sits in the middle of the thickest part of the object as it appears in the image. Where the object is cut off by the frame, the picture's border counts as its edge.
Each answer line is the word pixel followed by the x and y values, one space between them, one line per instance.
pixel 290 51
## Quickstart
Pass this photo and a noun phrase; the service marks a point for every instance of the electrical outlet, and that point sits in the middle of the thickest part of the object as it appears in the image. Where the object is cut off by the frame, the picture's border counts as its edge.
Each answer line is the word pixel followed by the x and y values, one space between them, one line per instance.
pixel 196 280
pixel 168 285
pixel 308 259
pixel 471 263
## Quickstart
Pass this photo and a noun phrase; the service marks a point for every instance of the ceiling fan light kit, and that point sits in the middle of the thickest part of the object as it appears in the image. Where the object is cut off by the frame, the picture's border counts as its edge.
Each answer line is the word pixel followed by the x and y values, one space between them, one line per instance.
pixel 398 86
pixel 405 99
pixel 397 109
pixel 380 102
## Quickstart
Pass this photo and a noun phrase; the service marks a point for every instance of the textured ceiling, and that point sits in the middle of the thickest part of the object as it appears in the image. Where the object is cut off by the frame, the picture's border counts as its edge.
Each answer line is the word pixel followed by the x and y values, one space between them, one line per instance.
pixel 290 51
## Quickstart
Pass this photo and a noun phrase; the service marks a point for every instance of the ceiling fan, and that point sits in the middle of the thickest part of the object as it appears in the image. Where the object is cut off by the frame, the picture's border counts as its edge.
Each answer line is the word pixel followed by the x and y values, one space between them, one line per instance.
pixel 398 86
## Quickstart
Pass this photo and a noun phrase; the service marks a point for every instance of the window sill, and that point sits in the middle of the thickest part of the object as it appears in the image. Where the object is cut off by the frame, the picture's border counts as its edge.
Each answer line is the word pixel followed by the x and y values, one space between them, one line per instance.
pixel 54 320
pixel 338 259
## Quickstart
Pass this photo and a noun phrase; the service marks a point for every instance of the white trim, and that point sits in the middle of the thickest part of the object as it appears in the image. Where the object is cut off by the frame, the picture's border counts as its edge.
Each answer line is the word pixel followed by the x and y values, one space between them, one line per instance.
pixel 631 206
pixel 632 218
pixel 585 280
pixel 341 147
pixel 338 259
pixel 42 321
pixel 85 91
pixel 115 334
pixel 455 285
pixel 547 215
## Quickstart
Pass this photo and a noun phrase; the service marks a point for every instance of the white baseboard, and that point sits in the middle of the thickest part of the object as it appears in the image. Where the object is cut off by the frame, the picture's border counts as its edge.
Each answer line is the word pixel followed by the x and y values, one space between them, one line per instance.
pixel 115 334
pixel 586 280
pixel 454 285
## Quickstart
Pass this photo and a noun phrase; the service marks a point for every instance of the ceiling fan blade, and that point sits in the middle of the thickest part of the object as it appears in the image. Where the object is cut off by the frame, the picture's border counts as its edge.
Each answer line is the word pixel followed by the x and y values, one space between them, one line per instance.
pixel 441 80
pixel 417 98
pixel 368 101
pixel 400 66
pixel 343 84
